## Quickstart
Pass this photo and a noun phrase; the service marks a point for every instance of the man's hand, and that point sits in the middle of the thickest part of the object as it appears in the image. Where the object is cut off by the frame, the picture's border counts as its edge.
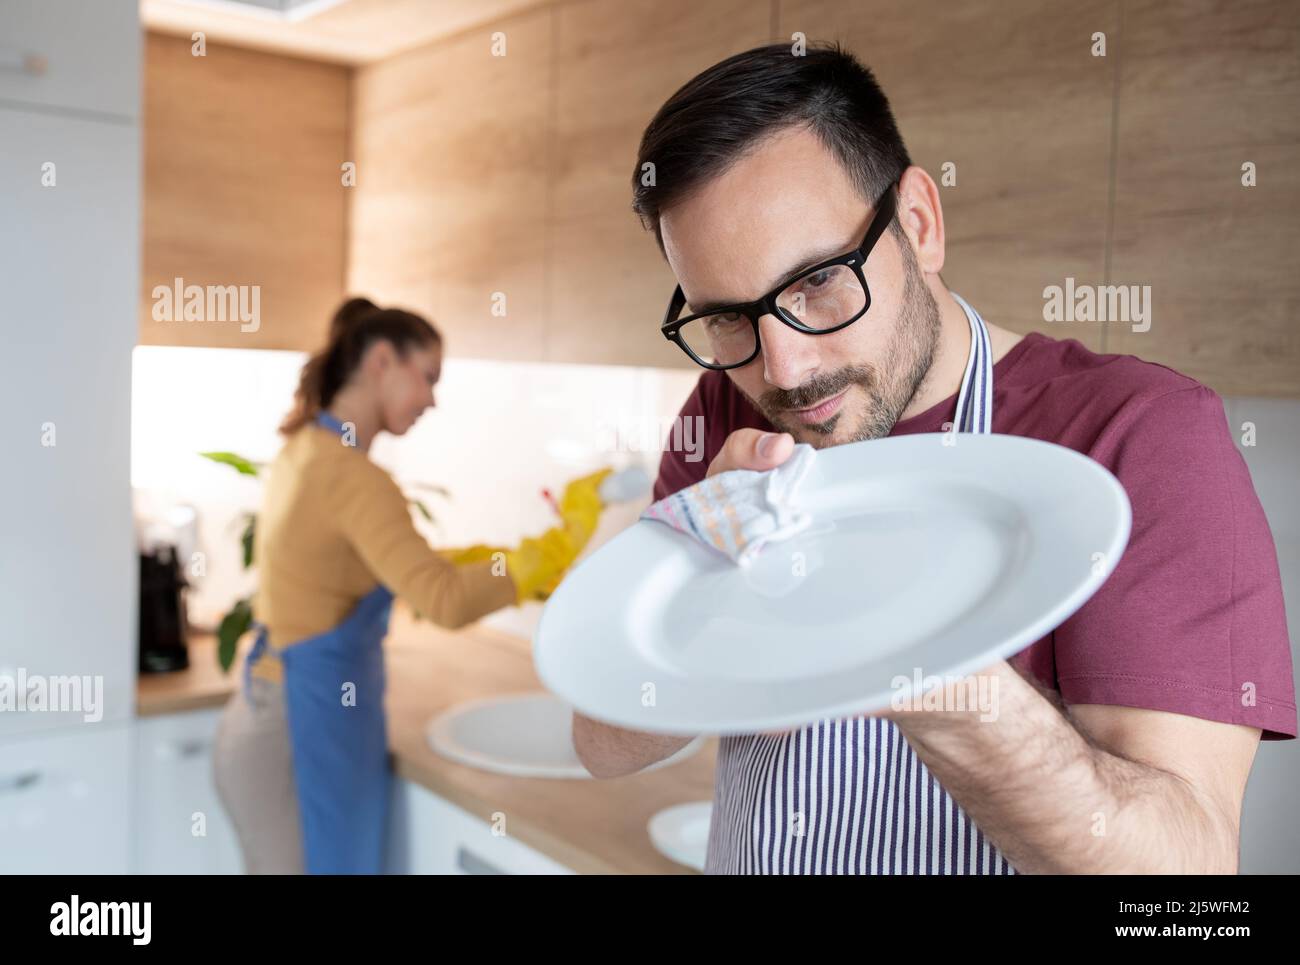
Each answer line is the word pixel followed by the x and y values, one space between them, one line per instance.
pixel 609 751
pixel 752 449
pixel 757 450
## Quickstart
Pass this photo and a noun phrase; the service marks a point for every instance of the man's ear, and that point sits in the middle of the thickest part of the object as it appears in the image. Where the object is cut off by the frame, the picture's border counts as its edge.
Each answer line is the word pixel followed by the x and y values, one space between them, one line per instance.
pixel 920 212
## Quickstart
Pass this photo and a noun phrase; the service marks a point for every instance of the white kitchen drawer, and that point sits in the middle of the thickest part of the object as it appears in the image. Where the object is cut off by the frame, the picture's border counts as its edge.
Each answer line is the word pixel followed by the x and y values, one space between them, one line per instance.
pixel 65 802
pixel 430 835
pixel 90 50
pixel 181 827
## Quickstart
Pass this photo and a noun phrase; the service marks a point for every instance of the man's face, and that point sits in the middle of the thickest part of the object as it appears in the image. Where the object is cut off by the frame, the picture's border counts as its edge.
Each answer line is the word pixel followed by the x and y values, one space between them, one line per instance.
pixel 787 204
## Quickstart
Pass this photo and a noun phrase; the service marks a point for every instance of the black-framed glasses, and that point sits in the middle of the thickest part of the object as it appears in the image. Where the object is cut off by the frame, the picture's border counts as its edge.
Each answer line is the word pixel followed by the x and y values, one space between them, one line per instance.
pixel 819 300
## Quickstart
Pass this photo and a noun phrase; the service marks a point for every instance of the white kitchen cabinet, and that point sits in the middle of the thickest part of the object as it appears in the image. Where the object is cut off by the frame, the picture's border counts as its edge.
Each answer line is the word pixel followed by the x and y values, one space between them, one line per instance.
pixel 180 826
pixel 71 54
pixel 429 835
pixel 69 271
pixel 65 802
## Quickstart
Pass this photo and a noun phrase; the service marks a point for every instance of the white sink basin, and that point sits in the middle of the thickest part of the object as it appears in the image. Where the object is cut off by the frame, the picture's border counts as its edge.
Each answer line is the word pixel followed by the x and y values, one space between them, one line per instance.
pixel 681 833
pixel 523 735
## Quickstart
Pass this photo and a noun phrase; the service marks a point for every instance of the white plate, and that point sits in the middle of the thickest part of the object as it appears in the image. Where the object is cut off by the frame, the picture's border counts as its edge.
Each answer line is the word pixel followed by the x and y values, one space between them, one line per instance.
pixel 681 833
pixel 923 558
pixel 523 735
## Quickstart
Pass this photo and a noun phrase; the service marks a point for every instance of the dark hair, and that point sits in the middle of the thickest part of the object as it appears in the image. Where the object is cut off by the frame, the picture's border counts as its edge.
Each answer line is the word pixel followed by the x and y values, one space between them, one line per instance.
pixel 720 114
pixel 356 325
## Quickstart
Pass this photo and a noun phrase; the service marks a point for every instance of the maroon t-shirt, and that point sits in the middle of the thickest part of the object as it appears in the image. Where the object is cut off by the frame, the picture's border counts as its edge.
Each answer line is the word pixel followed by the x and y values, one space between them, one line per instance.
pixel 1192 620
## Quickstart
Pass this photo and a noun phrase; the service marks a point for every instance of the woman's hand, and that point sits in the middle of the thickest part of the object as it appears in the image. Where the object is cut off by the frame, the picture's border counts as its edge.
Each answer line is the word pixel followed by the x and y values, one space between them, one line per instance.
pixel 580 506
pixel 540 564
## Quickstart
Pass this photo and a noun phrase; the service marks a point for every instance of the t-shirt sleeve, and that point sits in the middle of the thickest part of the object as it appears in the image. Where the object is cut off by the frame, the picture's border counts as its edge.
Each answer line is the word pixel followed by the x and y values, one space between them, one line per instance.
pixel 1192 621
pixel 375 519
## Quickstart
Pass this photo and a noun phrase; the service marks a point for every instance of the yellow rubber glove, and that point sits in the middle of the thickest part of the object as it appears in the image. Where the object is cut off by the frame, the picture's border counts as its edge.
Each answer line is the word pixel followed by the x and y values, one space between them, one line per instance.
pixel 533 566
pixel 580 506
pixel 539 564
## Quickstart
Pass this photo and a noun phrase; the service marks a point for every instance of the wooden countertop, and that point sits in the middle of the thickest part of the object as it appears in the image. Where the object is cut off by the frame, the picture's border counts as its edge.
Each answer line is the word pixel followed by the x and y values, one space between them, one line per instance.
pixel 201 686
pixel 588 825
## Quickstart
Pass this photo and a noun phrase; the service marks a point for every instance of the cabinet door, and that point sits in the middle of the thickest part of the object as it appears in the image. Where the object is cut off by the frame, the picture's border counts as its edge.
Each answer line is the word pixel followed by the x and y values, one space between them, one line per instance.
pixel 68 268
pixel 244 200
pixel 449 211
pixel 431 836
pixel 71 54
pixel 181 827
pixel 1008 105
pixel 1207 192
pixel 65 802
pixel 615 64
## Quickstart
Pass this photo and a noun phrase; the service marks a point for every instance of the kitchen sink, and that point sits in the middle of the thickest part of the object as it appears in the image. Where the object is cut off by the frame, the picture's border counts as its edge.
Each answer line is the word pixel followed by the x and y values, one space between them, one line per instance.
pixel 523 735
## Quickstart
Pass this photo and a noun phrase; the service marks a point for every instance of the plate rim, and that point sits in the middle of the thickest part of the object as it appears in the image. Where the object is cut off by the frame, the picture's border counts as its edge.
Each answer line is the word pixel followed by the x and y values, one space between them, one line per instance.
pixel 1053 617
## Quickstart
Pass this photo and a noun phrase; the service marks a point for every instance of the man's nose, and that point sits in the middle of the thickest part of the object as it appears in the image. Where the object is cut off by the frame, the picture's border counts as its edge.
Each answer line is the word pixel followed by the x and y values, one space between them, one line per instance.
pixel 789 357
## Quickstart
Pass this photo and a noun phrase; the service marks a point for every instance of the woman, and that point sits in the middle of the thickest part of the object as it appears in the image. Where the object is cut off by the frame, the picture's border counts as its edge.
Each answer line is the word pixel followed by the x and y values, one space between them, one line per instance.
pixel 301 756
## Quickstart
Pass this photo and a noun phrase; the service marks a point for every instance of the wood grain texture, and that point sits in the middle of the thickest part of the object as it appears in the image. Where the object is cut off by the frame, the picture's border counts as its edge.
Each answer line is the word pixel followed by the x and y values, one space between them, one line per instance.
pixel 242 155
pixel 1009 92
pixel 1204 88
pixel 450 203
pixel 593 827
pixel 481 174
pixel 617 63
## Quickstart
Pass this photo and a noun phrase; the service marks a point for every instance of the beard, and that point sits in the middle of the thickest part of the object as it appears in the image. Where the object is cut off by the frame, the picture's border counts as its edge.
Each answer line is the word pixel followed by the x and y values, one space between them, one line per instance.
pixel 888 387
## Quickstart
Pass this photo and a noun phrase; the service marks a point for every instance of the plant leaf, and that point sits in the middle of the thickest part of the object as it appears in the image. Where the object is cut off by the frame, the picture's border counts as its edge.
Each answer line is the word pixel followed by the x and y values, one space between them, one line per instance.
pixel 241 465
pixel 250 527
pixel 233 626
pixel 442 491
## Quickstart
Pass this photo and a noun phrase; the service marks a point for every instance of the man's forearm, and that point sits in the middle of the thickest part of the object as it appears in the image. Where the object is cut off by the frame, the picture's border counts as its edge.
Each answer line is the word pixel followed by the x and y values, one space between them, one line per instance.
pixel 1055 803
pixel 609 751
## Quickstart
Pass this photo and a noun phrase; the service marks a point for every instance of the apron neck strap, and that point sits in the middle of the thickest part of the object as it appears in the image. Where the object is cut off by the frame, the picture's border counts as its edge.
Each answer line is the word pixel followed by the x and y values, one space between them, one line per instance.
pixel 323 418
pixel 975 398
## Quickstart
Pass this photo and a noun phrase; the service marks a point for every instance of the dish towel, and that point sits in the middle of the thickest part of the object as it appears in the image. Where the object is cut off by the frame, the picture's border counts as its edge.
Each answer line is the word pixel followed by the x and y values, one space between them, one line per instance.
pixel 739 512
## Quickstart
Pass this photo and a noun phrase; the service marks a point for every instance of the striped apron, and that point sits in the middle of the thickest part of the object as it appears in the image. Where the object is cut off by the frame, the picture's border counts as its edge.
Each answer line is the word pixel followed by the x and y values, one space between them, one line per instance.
pixel 850 796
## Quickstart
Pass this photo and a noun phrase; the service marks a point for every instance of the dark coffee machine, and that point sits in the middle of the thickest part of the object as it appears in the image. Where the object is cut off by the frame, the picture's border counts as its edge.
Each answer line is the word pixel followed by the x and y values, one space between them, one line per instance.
pixel 163 621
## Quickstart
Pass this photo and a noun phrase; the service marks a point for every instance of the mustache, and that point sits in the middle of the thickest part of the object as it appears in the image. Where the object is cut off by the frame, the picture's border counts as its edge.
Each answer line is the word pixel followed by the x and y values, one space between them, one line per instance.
pixel 818 389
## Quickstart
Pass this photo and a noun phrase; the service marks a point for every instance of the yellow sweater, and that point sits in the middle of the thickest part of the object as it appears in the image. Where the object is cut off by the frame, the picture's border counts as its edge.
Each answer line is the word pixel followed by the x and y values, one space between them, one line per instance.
pixel 333 525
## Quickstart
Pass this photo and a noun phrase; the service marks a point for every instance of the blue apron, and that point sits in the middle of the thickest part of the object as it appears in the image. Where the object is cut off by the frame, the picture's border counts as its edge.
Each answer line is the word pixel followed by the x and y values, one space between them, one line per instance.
pixel 334 700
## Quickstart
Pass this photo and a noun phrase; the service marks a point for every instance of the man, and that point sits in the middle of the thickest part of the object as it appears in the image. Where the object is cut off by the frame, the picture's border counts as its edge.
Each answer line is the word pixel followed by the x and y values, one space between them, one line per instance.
pixel 1123 740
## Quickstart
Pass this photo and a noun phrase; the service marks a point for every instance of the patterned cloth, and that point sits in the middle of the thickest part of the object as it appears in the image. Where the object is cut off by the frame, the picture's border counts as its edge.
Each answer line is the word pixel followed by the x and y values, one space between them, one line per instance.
pixel 737 513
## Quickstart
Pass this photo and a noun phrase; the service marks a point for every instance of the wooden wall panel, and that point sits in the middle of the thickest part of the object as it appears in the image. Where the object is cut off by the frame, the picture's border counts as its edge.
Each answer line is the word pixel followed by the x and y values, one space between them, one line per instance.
pixel 450 203
pixel 617 63
pixel 1204 88
pixel 1008 91
pixel 242 155
pixel 481 174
